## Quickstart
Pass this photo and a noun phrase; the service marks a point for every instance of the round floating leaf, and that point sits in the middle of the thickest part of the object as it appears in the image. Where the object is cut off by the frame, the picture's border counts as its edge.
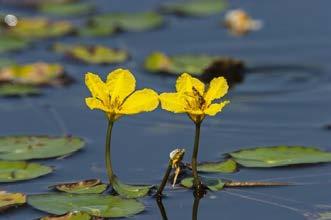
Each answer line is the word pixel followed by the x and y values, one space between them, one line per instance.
pixel 93 54
pixel 212 184
pixel 33 74
pixel 130 191
pixel 280 156
pixel 195 7
pixel 37 147
pixel 82 187
pixel 32 28
pixel 8 200
pixel 227 166
pixel 93 204
pixel 324 216
pixel 9 43
pixel 12 171
pixel 70 216
pixel 16 90
pixel 68 9
pixel 96 30
pixel 204 66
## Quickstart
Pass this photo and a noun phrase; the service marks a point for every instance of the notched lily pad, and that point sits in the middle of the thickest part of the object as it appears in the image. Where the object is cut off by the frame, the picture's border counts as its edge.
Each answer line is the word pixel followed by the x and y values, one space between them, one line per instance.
pixel 195 7
pixel 82 187
pixel 33 28
pixel 38 147
pixel 106 206
pixel 68 9
pixel 37 74
pixel 212 184
pixel 92 54
pixel 72 216
pixel 280 156
pixel 205 67
pixel 227 166
pixel 12 171
pixel 107 24
pixel 130 191
pixel 9 200
pixel 9 43
pixel 16 90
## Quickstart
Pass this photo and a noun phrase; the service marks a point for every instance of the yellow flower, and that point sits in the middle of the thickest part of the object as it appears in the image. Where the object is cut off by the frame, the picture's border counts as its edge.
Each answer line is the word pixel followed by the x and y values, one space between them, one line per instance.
pixel 117 96
pixel 191 97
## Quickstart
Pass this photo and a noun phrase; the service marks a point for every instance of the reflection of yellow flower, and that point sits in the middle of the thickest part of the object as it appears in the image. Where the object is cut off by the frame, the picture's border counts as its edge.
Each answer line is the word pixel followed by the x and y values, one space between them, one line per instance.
pixel 117 96
pixel 191 97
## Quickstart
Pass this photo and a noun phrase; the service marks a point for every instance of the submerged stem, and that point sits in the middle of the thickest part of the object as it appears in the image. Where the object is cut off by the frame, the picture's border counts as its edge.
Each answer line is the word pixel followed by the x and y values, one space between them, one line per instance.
pixel 164 180
pixel 197 182
pixel 109 167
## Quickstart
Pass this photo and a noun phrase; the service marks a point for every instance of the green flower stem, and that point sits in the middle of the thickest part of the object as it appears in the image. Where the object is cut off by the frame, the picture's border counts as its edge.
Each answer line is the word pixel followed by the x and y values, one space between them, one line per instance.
pixel 164 180
pixel 195 207
pixel 109 167
pixel 197 182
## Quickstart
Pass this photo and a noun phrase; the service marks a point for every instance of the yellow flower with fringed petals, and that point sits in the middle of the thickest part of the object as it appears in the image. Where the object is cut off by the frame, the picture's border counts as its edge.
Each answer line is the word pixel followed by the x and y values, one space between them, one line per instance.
pixel 191 97
pixel 117 96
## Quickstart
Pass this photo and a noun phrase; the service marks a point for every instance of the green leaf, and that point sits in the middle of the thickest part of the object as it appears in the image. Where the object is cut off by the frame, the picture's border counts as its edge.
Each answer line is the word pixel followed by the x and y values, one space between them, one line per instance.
pixel 130 191
pixel 83 187
pixel 37 147
pixel 15 90
pixel 93 204
pixel 5 62
pixel 324 216
pixel 39 73
pixel 12 171
pixel 68 9
pixel 212 184
pixel 227 166
pixel 93 54
pixel 280 156
pixel 33 28
pixel 205 66
pixel 8 200
pixel 8 43
pixel 195 7
pixel 70 216
pixel 110 23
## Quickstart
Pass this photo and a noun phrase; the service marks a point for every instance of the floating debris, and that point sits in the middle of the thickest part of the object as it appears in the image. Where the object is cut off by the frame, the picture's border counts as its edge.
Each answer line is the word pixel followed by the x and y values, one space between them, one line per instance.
pixel 240 23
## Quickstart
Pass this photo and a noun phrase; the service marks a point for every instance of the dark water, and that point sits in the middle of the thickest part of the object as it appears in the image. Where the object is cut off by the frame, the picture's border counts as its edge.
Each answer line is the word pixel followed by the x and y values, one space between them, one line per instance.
pixel 280 107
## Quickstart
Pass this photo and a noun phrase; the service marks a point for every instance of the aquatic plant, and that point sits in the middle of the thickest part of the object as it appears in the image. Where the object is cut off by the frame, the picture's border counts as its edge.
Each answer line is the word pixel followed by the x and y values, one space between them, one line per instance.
pixel 192 98
pixel 117 97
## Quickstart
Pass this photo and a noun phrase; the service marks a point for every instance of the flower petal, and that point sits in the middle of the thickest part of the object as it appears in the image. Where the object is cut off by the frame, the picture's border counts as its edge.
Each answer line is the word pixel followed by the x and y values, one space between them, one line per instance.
pixel 186 82
pixel 94 103
pixel 213 109
pixel 96 86
pixel 121 83
pixel 173 102
pixel 140 101
pixel 218 87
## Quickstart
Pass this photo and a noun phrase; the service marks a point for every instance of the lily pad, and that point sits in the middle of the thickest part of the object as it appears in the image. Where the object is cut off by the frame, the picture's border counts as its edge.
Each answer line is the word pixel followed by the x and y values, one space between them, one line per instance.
pixel 32 28
pixel 8 43
pixel 212 184
pixel 8 200
pixel 227 166
pixel 130 191
pixel 71 216
pixel 195 7
pixel 204 66
pixel 37 147
pixel 324 216
pixel 82 187
pixel 34 74
pixel 93 204
pixel 12 171
pixel 68 9
pixel 15 90
pixel 93 54
pixel 107 24
pixel 280 156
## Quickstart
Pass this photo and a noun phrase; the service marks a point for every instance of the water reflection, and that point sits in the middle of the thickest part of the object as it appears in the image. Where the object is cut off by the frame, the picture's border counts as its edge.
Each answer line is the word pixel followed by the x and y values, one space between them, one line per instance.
pixel 161 208
pixel 195 207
